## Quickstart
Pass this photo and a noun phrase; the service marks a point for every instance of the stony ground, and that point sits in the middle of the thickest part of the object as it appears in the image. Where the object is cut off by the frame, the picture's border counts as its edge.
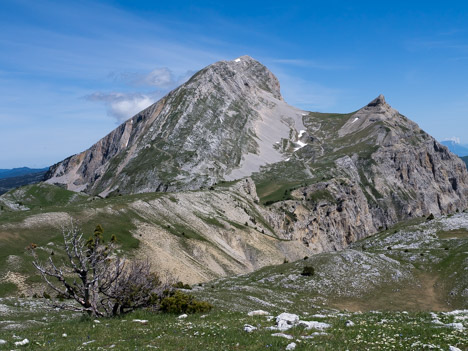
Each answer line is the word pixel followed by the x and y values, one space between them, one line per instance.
pixel 403 289
pixel 29 325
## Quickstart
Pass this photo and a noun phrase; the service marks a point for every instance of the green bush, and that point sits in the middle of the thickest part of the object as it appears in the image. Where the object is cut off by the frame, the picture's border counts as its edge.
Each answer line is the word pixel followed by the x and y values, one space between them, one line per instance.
pixel 178 302
pixel 308 271
pixel 8 289
pixel 180 285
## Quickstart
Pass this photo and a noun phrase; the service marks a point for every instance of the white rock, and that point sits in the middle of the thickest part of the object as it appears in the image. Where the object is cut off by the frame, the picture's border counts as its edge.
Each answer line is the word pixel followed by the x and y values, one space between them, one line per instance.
pixel 22 342
pixel 453 348
pixel 96 321
pixel 313 324
pixel 142 321
pixel 286 320
pixel 349 323
pixel 283 325
pixel 249 328
pixel 258 313
pixel 282 335
pixel 64 335
pixel 455 312
pixel 311 336
pixel 291 346
pixel 458 326
pixel 289 317
pixel 182 316
pixel 2 342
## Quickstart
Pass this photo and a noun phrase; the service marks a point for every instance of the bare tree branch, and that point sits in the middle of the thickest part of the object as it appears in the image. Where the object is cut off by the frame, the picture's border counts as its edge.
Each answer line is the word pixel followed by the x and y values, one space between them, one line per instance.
pixel 100 282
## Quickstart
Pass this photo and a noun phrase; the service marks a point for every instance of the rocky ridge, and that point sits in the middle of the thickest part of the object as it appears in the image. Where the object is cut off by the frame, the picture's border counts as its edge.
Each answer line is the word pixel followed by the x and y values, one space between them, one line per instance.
pixel 221 124
pixel 376 169
pixel 323 180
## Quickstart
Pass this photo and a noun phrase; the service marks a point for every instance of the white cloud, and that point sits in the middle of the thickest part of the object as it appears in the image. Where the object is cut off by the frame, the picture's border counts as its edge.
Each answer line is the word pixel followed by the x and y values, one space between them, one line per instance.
pixel 161 78
pixel 122 106
pixel 455 139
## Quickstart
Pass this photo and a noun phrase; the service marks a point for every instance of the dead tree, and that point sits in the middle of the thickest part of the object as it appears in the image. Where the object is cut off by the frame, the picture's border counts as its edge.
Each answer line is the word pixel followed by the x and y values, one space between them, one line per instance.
pixel 98 281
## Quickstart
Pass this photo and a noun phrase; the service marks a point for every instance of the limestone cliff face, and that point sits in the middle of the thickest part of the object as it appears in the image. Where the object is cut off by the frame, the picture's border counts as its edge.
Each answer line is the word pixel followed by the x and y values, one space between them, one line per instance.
pixel 381 169
pixel 326 180
pixel 222 124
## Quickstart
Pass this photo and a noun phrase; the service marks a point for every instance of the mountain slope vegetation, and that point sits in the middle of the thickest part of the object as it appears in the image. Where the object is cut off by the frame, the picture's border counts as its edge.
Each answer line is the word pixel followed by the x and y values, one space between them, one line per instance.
pixel 326 179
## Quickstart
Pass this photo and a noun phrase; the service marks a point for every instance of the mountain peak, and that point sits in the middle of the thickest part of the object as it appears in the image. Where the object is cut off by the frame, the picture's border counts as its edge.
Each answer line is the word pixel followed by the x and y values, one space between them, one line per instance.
pixel 379 100
pixel 245 58
pixel 244 73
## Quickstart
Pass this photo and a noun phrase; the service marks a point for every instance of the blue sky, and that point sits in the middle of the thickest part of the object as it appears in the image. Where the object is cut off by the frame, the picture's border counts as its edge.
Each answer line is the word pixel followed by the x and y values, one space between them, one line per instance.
pixel 71 71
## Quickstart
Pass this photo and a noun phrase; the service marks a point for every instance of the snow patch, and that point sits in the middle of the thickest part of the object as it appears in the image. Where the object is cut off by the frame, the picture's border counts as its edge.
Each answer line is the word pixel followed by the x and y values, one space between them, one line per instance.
pixel 301 145
pixel 237 60
pixel 355 119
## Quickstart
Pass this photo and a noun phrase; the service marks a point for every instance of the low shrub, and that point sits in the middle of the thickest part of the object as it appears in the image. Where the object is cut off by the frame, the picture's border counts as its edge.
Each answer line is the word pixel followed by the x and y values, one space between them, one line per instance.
pixel 178 302
pixel 308 271
pixel 180 285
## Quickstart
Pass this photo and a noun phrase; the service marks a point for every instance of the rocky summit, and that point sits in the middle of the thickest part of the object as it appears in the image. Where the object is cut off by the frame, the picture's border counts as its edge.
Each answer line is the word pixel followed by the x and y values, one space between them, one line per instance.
pixel 221 124
pixel 324 179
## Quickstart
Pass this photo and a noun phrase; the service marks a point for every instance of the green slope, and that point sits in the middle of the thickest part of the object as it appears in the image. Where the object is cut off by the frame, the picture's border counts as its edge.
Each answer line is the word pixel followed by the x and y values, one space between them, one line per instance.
pixel 412 267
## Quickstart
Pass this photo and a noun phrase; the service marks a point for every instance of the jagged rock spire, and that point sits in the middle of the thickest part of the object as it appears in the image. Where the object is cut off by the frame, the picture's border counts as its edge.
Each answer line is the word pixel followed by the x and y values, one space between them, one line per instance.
pixel 379 100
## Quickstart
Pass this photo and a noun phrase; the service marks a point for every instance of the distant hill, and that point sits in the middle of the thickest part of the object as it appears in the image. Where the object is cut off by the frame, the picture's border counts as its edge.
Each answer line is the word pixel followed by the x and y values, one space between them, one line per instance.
pixel 16 172
pixel 465 158
pixel 456 148
pixel 13 178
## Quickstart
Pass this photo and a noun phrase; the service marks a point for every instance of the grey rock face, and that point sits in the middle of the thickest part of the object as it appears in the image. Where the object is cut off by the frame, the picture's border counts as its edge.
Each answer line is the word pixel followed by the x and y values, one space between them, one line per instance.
pixel 349 175
pixel 380 168
pixel 222 123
